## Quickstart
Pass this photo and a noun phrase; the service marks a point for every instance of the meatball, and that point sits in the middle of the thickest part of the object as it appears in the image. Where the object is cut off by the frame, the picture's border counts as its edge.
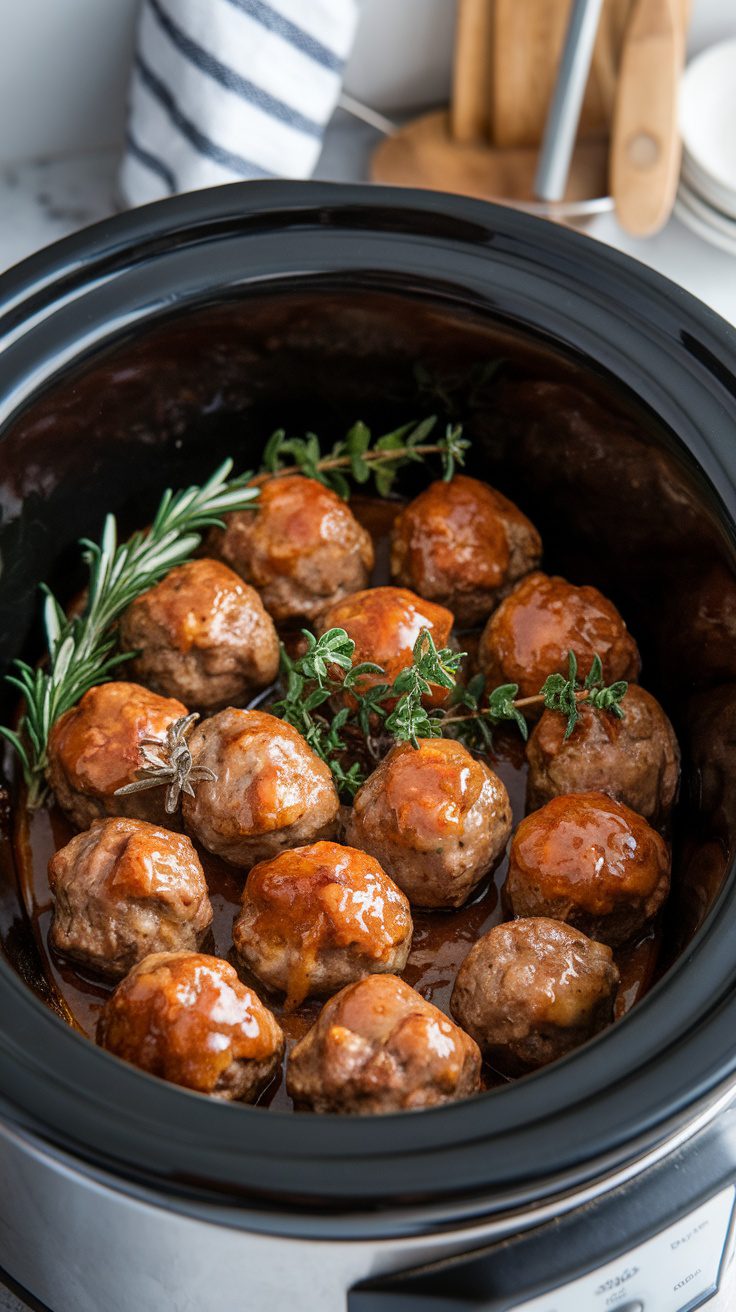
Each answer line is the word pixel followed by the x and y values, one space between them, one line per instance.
pixel 316 918
pixel 464 545
pixel 697 634
pixel 123 889
pixel 302 548
pixel 95 748
pixel 384 624
pixel 201 635
pixel 435 817
pixel 532 990
pixel 187 1018
pixel 636 760
pixel 592 862
pixel 598 467
pixel 377 1046
pixel 543 619
pixel 711 727
pixel 271 790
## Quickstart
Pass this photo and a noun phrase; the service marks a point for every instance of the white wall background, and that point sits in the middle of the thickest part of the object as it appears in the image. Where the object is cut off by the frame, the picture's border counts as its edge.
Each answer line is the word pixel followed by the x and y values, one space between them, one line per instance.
pixel 63 64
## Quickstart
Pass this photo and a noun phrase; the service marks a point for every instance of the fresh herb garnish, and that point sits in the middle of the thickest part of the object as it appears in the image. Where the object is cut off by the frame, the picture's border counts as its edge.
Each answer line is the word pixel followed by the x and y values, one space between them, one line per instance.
pixel 358 456
pixel 169 761
pixel 557 693
pixel 82 651
pixel 326 669
pixel 410 720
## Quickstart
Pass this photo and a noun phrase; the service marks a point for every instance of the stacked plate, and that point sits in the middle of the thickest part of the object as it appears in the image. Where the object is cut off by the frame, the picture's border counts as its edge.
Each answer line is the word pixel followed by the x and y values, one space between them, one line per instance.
pixel 706 197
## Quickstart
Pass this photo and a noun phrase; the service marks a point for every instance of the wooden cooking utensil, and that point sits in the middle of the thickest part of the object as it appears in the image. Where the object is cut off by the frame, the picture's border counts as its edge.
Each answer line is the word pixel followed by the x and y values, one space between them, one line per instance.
pixel 472 70
pixel 645 142
pixel 425 154
pixel 506 55
pixel 525 52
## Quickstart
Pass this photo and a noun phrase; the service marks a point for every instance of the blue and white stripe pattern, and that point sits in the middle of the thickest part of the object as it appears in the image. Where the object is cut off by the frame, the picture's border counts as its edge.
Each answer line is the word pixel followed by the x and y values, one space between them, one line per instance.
pixel 223 90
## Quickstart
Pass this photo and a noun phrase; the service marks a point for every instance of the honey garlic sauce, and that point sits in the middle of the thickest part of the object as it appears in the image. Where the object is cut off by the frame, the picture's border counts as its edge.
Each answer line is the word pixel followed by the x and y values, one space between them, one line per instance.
pixel 587 846
pixel 441 941
pixel 314 916
pixel 543 619
pixel 384 623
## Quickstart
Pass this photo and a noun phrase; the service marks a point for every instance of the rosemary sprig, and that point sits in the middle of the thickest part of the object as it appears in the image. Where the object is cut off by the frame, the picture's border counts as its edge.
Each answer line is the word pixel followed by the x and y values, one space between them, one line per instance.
pixel 82 650
pixel 357 455
pixel 169 761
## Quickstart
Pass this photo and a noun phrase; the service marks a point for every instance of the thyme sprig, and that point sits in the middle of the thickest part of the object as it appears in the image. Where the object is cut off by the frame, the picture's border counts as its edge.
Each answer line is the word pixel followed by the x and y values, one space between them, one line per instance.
pixel 410 719
pixel 326 669
pixel 359 456
pixel 310 681
pixel 557 693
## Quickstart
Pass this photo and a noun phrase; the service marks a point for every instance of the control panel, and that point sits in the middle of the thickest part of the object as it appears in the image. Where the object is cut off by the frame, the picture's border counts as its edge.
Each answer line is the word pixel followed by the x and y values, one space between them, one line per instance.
pixel 660 1242
pixel 676 1270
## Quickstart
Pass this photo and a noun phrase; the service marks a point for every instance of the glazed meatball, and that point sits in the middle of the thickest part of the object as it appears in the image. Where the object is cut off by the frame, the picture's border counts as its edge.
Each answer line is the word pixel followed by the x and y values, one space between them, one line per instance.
pixel 95 748
pixel 188 1018
pixel 532 990
pixel 544 618
pixel 464 545
pixel 377 1046
pixel 697 634
pixel 435 817
pixel 636 760
pixel 711 728
pixel 302 548
pixel 384 624
pixel 201 635
pixel 592 862
pixel 598 468
pixel 271 790
pixel 316 918
pixel 123 889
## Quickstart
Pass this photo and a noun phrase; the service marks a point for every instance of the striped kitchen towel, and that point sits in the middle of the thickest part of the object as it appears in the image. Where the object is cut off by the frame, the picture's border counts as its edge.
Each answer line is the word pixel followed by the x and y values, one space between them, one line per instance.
pixel 223 90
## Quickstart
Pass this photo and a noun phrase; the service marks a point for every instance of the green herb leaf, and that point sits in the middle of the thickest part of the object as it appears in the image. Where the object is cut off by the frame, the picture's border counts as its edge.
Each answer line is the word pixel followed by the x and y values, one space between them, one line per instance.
pixel 81 650
pixel 595 673
pixel 501 707
pixel 270 458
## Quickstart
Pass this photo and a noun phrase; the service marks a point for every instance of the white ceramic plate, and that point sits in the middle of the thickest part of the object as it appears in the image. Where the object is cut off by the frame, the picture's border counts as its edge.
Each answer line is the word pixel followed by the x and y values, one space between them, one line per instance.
pixel 699 218
pixel 708 114
pixel 706 187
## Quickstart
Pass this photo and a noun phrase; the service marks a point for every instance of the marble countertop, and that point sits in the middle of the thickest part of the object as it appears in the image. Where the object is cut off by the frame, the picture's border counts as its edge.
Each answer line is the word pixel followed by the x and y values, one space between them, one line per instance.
pixel 44 200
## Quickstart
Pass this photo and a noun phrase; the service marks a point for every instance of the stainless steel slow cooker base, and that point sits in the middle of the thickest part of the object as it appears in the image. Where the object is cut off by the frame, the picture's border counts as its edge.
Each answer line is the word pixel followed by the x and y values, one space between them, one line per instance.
pixel 78 1242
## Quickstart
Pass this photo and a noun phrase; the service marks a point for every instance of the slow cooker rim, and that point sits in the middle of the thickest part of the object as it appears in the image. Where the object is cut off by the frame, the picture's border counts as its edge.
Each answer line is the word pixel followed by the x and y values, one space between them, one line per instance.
pixel 301 198
pixel 96 244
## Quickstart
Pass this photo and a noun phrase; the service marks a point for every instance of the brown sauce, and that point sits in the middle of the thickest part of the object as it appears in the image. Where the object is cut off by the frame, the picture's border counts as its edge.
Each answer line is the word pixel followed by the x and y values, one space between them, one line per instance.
pixel 442 939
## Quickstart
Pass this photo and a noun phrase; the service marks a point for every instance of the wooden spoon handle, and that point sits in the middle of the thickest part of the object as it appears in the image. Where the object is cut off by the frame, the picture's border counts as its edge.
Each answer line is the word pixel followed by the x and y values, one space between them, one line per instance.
pixel 472 68
pixel 645 142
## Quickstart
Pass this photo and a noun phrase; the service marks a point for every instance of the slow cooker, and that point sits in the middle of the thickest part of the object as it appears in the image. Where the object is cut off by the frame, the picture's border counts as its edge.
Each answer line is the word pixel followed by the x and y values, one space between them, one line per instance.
pixel 136 354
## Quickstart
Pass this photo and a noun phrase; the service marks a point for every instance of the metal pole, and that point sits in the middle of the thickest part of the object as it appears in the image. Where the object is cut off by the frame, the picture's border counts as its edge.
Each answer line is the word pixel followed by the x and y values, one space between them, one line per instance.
pixel 563 117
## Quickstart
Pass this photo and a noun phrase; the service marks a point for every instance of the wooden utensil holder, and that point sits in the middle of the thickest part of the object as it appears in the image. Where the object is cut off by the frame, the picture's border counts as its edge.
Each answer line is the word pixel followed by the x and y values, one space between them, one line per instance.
pixel 505 63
